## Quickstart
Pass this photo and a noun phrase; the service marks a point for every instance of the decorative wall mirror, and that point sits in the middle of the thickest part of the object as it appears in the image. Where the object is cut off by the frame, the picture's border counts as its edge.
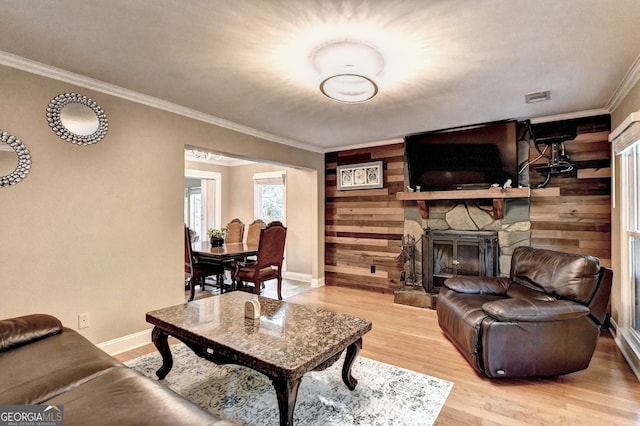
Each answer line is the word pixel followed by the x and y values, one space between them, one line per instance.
pixel 77 119
pixel 15 160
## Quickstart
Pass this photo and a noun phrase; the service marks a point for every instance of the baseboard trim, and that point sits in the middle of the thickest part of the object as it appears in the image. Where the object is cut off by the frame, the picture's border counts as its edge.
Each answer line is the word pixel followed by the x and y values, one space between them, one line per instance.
pixel 126 343
pixel 317 282
pixel 628 352
pixel 307 278
pixel 296 276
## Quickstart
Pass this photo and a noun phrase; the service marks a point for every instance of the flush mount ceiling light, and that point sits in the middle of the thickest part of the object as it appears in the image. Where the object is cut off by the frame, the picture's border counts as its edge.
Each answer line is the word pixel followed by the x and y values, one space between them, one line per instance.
pixel 348 70
pixel 350 88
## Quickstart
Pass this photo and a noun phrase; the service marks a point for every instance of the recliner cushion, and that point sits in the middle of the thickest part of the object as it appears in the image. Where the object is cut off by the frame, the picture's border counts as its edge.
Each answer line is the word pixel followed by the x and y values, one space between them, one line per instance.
pixel 478 285
pixel 518 291
pixel 531 310
pixel 561 275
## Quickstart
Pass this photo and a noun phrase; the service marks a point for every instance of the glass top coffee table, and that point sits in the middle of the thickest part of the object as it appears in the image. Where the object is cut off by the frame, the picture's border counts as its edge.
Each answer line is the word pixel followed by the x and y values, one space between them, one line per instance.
pixel 287 341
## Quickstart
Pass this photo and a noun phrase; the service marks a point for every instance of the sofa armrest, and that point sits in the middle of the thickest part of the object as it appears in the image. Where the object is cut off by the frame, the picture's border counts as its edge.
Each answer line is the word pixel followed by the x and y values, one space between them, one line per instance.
pixel 22 330
pixel 479 285
pixel 531 310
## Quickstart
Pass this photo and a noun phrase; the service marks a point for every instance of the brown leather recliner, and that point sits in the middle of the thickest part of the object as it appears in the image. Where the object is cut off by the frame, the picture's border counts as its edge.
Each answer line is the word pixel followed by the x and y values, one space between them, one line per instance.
pixel 542 320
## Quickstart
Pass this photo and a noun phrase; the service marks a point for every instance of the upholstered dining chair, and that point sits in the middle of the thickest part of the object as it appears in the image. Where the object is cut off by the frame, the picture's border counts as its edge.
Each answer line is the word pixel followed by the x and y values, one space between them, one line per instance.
pixel 253 232
pixel 268 264
pixel 196 270
pixel 253 236
pixel 235 231
pixel 234 234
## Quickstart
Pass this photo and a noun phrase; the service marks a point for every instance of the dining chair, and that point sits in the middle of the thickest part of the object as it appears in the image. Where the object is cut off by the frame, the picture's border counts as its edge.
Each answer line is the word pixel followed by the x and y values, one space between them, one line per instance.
pixel 253 232
pixel 268 264
pixel 253 236
pixel 197 270
pixel 234 234
pixel 235 231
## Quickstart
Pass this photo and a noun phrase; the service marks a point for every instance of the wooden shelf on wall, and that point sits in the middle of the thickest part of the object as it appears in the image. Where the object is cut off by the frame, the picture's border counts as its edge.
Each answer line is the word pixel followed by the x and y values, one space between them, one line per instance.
pixel 498 196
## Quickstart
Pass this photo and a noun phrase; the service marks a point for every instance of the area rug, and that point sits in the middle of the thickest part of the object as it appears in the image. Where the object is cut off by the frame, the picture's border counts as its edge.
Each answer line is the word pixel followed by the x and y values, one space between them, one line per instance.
pixel 385 394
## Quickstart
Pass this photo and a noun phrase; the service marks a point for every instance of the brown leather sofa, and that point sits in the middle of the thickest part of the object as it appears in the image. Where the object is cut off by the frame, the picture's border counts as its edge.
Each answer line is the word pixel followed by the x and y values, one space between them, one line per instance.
pixel 542 320
pixel 42 362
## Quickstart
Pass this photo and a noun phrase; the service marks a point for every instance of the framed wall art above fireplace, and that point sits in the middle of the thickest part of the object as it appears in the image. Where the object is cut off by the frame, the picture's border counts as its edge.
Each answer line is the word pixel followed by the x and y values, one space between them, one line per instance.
pixel 359 176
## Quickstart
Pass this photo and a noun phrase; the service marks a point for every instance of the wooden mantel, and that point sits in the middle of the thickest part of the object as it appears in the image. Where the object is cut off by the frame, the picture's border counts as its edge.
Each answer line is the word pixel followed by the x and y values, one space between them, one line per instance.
pixel 497 194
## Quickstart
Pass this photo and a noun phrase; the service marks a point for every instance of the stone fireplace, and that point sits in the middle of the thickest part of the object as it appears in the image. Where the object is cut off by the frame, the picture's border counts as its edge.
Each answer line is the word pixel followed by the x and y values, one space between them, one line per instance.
pixel 512 230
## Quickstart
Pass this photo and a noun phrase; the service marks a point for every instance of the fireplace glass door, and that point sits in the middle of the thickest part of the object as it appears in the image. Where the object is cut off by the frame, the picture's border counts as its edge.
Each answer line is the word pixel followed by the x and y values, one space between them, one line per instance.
pixel 450 254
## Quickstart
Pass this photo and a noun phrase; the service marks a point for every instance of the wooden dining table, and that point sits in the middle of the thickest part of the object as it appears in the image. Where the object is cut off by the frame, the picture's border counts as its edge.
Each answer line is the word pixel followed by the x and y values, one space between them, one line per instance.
pixel 223 255
pixel 231 251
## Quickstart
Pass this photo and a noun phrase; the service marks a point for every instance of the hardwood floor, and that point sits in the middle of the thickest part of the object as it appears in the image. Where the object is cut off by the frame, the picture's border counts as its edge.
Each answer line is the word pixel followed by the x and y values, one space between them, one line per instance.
pixel 606 393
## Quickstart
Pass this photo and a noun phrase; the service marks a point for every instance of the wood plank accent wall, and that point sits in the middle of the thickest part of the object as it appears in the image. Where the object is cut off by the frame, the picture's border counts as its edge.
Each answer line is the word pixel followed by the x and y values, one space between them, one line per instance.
pixel 364 226
pixel 573 212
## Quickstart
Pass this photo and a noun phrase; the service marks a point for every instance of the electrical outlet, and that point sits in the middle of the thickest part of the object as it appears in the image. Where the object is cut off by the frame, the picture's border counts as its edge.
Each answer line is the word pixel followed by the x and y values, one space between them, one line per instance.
pixel 83 320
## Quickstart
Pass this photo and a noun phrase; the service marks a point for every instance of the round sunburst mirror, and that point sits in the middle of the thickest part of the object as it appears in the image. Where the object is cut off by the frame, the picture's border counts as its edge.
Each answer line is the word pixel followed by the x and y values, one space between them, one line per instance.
pixel 77 119
pixel 15 160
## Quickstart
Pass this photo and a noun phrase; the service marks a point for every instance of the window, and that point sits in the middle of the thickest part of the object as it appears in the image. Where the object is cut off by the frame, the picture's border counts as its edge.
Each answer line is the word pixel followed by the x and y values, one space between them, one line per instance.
pixel 202 201
pixel 193 207
pixel 626 145
pixel 269 196
pixel 630 187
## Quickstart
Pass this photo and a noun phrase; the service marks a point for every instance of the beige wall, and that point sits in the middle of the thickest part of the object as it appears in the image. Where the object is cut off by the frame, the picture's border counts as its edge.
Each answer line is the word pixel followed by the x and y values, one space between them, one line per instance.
pixel 98 229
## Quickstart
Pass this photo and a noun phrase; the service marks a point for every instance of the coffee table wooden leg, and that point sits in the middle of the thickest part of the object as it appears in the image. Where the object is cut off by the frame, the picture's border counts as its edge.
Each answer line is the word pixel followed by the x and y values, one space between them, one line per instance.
pixel 287 393
pixel 352 352
pixel 160 341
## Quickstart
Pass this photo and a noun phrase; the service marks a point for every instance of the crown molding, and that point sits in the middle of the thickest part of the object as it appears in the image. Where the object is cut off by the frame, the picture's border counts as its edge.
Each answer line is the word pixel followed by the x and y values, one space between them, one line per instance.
pixel 366 145
pixel 627 133
pixel 65 76
pixel 570 115
pixel 628 82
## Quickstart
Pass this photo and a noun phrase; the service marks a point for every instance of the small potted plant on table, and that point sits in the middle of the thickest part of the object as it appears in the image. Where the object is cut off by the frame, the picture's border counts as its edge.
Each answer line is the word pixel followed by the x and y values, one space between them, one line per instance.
pixel 216 236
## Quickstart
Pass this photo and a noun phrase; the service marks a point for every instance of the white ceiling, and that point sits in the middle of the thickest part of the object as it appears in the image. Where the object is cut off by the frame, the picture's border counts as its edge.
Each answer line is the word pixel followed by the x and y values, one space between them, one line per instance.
pixel 246 63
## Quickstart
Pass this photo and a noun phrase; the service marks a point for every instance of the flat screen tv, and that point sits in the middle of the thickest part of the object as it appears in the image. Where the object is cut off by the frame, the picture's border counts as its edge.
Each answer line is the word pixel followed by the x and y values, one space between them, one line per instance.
pixel 465 158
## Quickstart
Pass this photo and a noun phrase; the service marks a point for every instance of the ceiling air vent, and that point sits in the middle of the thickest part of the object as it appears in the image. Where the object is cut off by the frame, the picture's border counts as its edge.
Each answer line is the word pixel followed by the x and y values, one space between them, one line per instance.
pixel 541 96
